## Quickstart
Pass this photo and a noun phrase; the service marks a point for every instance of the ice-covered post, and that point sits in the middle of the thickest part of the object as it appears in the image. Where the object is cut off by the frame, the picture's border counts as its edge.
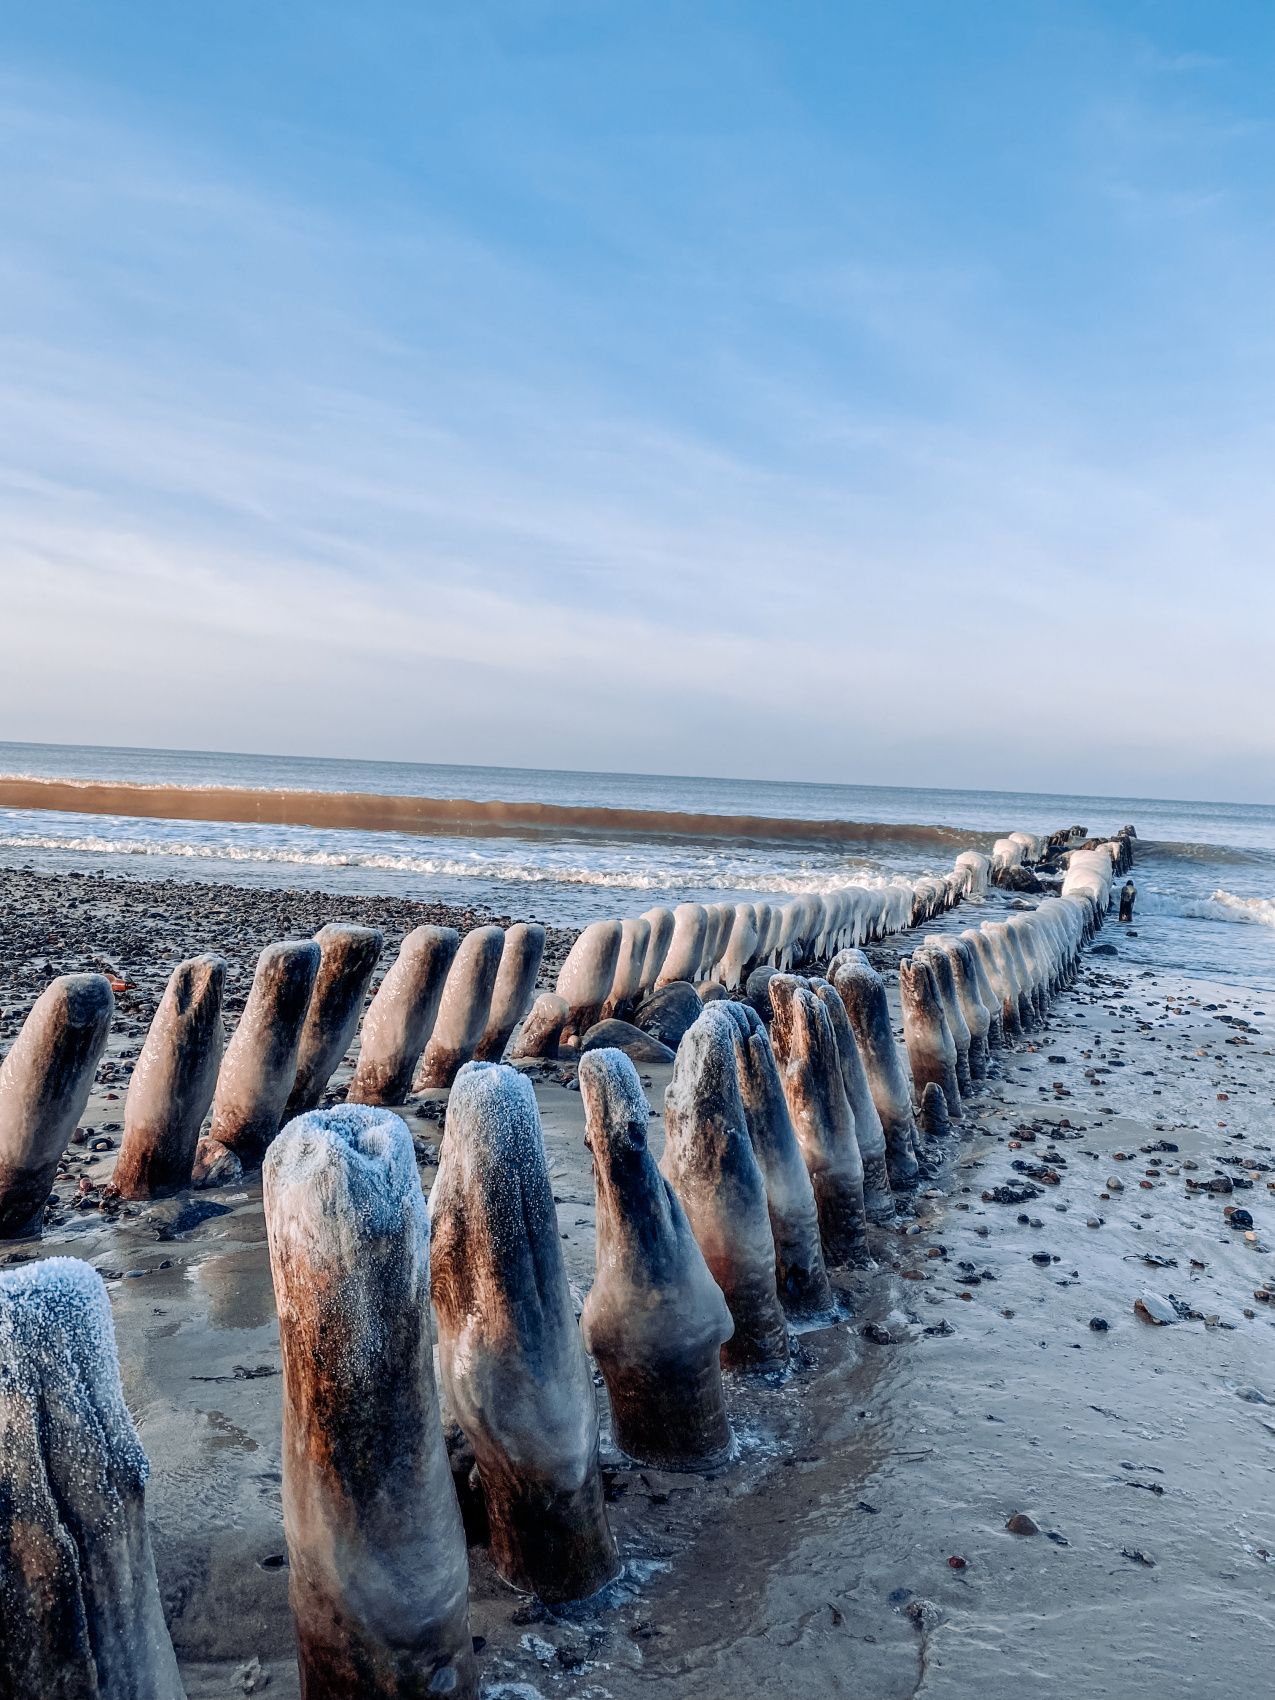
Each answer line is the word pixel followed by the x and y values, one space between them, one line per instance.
pixel 348 954
pixel 800 1272
pixel 862 991
pixel 708 1156
pixel 930 1046
pixel 260 1064
pixel 45 1083
pixel 401 1016
pixel 586 977
pixel 465 1006
pixel 810 1071
pixel 173 1083
pixel 378 1572
pixel 878 1200
pixel 80 1614
pixel 514 1370
pixel 654 1319
pixel 515 986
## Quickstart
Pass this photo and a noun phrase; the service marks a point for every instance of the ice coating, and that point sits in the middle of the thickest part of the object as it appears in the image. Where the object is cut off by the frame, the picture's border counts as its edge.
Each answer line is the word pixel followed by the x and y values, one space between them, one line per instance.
pixel 542 1029
pixel 260 1064
pixel 740 945
pixel 686 947
pixel 945 985
pixel 1001 969
pixel 810 1072
pixel 979 956
pixel 378 1569
pixel 173 1083
pixel 586 977
pixel 708 1157
pixel 45 1083
pixel 635 939
pixel 961 963
pixel 862 991
pixel 930 1046
pixel 661 923
pixel 514 1370
pixel 878 1200
pixel 1006 853
pixel 800 1273
pixel 977 871
pixel 80 1612
pixel 1014 969
pixel 401 1016
pixel 654 1319
pixel 347 956
pixel 463 1008
pixel 515 987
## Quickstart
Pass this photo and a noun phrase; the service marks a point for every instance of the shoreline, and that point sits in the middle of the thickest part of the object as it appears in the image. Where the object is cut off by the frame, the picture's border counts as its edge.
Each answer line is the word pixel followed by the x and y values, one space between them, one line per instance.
pixel 819 1559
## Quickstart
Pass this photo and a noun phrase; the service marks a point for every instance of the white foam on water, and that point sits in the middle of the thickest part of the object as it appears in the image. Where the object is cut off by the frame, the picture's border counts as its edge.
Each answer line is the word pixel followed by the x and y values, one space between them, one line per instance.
pixel 1221 906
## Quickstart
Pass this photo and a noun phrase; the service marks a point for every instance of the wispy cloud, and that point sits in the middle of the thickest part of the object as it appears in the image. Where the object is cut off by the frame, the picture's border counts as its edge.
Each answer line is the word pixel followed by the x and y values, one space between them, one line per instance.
pixel 356 474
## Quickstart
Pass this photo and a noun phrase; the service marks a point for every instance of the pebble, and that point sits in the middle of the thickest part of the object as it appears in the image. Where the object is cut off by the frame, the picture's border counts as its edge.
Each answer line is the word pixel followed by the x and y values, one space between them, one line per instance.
pixel 1021 1524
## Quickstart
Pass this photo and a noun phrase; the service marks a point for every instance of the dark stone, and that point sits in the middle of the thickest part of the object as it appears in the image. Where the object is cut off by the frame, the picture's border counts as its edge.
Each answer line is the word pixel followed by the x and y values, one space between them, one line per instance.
pixel 624 1036
pixel 670 1012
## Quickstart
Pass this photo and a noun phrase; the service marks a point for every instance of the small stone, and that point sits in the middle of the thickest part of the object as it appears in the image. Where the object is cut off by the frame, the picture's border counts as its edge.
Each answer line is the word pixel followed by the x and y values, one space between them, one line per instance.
pixel 1021 1524
pixel 1099 1324
pixel 1152 1308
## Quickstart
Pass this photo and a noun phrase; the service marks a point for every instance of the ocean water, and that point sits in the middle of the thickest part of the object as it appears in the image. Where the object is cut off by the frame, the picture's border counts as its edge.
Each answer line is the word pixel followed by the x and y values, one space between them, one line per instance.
pixel 1205 872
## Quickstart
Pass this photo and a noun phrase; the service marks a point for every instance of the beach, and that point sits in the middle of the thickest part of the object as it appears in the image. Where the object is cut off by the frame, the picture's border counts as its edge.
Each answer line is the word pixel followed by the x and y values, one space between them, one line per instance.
pixel 857 1543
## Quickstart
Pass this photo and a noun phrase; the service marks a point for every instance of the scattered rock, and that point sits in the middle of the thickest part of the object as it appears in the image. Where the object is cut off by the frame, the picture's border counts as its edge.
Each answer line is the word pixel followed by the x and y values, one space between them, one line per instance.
pixel 1021 1524
pixel 1152 1308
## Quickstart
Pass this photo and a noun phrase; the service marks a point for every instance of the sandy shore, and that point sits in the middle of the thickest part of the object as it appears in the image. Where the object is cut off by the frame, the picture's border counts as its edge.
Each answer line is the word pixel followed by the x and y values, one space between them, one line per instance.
pixel 857 1545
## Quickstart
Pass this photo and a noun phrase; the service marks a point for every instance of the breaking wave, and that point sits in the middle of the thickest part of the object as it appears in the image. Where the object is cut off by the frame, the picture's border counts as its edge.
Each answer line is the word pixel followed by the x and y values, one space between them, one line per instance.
pixel 470 817
pixel 1221 906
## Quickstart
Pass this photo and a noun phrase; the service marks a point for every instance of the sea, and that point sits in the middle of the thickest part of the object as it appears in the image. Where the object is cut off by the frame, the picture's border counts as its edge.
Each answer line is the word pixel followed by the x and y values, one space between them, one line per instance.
pixel 1204 871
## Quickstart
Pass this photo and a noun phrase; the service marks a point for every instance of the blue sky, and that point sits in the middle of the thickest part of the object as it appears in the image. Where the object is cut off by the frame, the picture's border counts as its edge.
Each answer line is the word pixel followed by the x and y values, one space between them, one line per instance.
pixel 831 391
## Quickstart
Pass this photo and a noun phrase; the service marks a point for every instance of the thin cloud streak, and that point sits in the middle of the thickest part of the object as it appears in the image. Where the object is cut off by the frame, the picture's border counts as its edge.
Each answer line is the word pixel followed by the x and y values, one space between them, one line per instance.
pixel 277 449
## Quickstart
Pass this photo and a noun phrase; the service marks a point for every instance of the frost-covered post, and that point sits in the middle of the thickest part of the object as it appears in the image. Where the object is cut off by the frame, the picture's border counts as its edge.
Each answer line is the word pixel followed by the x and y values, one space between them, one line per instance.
pixel 401 1016
pixel 926 1034
pixel 800 1272
pixel 708 1157
pixel 586 977
pixel 654 1319
pixel 810 1070
pixel 80 1614
pixel 515 1374
pixel 540 1032
pixel 515 986
pixel 378 1573
pixel 464 1008
pixel 635 940
pixel 862 990
pixel 348 954
pixel 260 1064
pixel 45 1083
pixel 878 1200
pixel 173 1083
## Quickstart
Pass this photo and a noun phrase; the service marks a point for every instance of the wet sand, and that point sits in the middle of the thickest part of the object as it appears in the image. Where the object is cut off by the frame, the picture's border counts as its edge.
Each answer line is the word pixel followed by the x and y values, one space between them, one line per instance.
pixel 819 1562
